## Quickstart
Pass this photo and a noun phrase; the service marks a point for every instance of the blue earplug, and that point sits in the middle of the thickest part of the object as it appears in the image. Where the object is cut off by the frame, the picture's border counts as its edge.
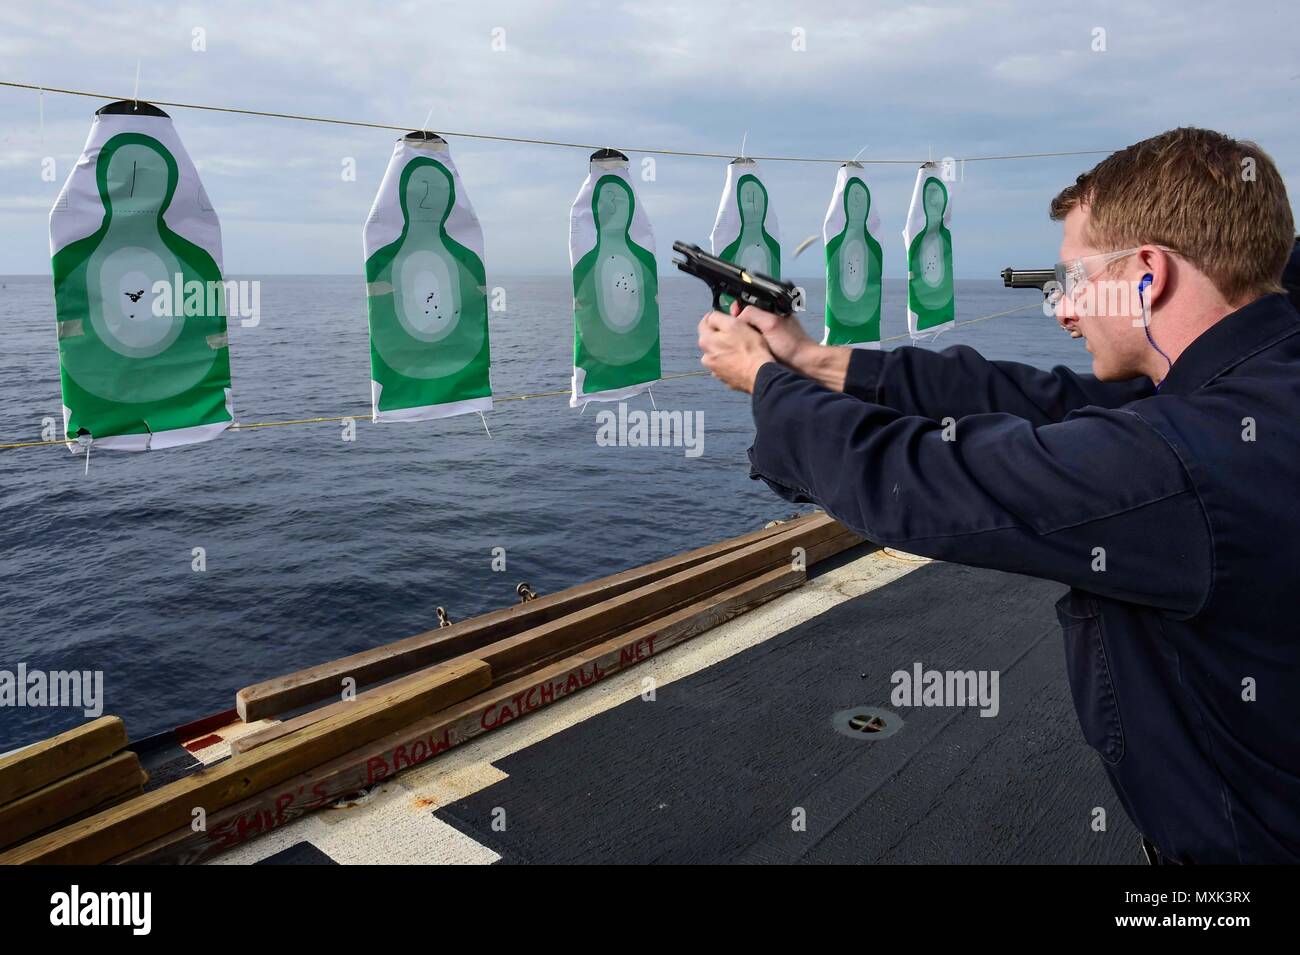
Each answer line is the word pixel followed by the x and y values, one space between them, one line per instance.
pixel 1146 323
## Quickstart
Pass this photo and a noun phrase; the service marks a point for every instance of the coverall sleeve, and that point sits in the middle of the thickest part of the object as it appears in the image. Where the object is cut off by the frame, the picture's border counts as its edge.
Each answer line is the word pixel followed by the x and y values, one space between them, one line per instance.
pixel 1099 501
pixel 959 381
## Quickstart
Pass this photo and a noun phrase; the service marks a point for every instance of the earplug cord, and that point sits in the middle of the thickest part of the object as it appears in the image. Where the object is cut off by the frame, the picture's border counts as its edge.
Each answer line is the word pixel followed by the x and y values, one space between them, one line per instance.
pixel 1146 327
pixel 1168 362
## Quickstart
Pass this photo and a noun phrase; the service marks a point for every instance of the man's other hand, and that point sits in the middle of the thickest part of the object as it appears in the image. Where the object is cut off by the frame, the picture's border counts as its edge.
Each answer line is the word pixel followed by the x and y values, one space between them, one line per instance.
pixel 733 350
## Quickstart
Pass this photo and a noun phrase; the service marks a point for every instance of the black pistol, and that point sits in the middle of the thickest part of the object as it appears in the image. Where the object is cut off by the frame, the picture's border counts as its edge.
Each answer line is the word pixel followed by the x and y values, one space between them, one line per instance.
pixel 748 288
pixel 1029 278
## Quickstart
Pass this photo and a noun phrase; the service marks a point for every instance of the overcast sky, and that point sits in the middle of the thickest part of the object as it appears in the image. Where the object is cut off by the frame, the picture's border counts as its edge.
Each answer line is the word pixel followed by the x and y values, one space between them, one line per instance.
pixel 905 80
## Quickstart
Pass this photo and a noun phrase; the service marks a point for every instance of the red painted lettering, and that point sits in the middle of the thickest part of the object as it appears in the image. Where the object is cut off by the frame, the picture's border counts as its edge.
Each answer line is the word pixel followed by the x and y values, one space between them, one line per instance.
pixel 282 802
pixel 321 795
pixel 638 651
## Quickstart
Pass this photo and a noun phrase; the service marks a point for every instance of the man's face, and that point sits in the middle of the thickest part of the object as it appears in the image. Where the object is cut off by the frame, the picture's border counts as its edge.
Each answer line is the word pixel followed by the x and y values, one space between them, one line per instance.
pixel 1104 308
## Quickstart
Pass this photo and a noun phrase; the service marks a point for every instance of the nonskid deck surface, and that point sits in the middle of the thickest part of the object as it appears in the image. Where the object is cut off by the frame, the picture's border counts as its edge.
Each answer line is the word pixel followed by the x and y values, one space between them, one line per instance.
pixel 739 742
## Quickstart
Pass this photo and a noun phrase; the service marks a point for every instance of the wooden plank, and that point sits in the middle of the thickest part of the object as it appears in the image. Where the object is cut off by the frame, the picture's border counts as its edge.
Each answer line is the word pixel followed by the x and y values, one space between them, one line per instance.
pixel 368 765
pixel 294 690
pixel 133 823
pixel 826 549
pixel 71 796
pixel 42 763
pixel 513 656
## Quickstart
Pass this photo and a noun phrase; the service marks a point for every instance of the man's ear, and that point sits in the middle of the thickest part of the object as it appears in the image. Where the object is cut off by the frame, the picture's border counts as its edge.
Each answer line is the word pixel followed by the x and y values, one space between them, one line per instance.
pixel 1154 262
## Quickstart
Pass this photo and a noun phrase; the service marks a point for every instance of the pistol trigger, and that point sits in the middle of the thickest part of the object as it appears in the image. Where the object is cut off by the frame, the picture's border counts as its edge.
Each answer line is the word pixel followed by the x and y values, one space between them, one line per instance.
pixel 717 300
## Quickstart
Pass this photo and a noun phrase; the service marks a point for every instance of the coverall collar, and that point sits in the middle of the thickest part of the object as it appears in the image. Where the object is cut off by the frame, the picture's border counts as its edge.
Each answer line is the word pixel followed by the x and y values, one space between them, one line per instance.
pixel 1230 341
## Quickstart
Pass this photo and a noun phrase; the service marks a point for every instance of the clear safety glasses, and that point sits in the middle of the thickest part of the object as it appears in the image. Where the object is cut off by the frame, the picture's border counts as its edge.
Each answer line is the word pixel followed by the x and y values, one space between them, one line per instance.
pixel 1073 274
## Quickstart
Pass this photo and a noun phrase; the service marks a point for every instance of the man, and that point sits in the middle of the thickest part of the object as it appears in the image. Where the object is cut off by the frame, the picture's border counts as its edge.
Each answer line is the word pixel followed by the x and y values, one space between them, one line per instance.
pixel 1163 489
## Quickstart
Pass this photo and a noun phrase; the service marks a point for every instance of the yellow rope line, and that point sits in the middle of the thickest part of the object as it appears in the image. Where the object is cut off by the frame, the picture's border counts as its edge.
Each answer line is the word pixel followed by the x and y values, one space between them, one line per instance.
pixel 526 140
pixel 972 321
pixel 276 424
pixel 254 425
pixel 34 444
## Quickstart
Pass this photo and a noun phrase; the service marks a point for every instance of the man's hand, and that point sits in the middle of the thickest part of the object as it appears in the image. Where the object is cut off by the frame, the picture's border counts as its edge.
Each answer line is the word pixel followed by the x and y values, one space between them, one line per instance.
pixel 733 350
pixel 789 343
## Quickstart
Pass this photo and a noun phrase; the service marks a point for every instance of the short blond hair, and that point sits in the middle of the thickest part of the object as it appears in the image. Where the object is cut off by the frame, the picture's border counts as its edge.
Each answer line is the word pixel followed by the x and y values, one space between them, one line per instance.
pixel 1218 201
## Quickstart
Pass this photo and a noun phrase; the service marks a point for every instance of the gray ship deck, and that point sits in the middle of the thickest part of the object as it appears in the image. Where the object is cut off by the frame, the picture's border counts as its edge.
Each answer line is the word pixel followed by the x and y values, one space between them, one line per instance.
pixel 739 736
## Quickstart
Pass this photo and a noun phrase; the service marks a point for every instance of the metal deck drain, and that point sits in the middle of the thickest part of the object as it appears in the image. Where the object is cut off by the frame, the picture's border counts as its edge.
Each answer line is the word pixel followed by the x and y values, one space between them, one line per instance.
pixel 866 723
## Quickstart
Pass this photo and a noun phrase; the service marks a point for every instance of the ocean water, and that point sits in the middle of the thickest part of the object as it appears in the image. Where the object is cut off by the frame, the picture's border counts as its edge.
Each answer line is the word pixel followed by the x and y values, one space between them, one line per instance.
pixel 317 547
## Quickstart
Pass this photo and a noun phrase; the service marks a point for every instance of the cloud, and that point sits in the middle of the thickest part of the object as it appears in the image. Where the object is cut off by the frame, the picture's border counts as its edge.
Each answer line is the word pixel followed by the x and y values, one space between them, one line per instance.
pixel 1038 67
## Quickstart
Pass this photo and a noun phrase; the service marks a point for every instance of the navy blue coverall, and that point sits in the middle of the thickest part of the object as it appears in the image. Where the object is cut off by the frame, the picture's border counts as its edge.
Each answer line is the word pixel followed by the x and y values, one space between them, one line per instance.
pixel 1183 653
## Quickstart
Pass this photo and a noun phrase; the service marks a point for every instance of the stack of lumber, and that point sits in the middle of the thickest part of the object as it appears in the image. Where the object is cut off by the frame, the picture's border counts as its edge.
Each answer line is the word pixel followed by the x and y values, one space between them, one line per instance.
pixel 348 724
pixel 67 777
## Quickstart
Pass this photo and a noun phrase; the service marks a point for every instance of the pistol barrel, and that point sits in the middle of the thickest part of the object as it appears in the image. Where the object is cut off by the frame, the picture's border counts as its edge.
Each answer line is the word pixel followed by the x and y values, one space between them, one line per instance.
pixel 1027 278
